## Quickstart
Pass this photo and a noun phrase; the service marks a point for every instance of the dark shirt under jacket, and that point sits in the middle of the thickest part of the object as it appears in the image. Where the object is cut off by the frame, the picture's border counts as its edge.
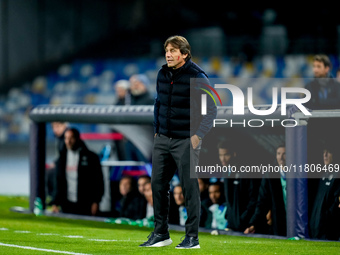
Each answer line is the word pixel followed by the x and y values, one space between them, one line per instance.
pixel 325 94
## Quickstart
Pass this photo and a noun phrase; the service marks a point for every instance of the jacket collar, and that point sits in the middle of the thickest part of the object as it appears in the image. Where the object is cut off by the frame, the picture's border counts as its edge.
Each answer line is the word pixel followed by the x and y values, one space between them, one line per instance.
pixel 185 66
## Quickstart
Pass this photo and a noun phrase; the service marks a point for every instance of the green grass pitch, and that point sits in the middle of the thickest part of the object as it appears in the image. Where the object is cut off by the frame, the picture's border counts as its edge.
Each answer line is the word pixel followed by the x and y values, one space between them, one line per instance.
pixel 28 234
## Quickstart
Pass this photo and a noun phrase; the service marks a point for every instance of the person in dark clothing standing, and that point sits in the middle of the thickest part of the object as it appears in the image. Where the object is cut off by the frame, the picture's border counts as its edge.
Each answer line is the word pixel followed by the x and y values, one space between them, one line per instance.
pixel 58 129
pixel 179 129
pixel 80 184
pixel 241 193
pixel 325 218
pixel 324 89
pixel 271 203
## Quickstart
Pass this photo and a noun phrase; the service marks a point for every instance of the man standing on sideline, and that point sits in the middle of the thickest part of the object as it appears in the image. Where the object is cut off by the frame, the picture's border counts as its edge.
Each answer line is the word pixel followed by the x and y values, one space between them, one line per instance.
pixel 179 129
pixel 80 184
pixel 58 129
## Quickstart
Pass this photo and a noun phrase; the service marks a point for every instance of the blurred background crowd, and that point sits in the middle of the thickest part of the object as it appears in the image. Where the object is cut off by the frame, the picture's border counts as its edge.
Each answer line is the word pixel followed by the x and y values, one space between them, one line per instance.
pixel 65 52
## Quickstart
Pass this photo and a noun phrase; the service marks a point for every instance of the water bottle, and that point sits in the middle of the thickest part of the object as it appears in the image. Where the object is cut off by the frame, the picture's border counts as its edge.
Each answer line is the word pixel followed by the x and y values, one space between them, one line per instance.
pixel 38 207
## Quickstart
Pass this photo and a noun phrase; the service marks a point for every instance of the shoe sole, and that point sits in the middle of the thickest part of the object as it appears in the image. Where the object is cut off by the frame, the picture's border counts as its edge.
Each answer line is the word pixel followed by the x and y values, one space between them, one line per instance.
pixel 194 247
pixel 161 243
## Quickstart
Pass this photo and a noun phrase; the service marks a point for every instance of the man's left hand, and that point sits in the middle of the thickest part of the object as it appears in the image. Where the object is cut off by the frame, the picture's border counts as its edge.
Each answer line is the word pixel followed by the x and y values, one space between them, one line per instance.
pixel 94 208
pixel 195 141
pixel 269 217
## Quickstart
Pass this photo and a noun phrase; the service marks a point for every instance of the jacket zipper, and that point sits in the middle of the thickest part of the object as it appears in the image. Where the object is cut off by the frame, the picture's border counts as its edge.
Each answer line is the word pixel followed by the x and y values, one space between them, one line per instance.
pixel 169 106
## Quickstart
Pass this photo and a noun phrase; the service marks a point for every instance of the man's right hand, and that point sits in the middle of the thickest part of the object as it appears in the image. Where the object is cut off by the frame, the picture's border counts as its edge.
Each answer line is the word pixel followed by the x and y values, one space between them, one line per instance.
pixel 250 230
pixel 55 209
pixel 155 135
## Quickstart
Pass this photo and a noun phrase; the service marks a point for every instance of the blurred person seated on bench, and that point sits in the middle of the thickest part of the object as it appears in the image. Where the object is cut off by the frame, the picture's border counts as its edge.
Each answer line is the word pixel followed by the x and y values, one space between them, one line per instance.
pixel 203 184
pixel 80 184
pixel 130 202
pixel 144 200
pixel 149 201
pixel 324 222
pixel 142 180
pixel 180 202
pixel 271 202
pixel 214 208
pixel 240 191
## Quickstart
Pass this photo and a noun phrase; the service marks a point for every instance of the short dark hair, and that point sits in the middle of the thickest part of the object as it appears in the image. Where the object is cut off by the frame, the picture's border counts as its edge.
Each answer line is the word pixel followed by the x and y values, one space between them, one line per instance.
pixel 180 43
pixel 205 180
pixel 75 132
pixel 324 59
pixel 280 146
pixel 127 177
pixel 217 183
pixel 145 176
pixel 227 144
pixel 330 146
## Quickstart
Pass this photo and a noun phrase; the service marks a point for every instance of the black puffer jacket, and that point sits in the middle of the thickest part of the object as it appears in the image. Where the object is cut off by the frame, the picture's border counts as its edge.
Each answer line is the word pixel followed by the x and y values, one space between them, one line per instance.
pixel 177 105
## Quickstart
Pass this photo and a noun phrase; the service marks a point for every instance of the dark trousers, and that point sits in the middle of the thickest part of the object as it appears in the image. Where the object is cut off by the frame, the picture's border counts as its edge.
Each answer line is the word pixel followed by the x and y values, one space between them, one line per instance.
pixel 168 155
pixel 76 208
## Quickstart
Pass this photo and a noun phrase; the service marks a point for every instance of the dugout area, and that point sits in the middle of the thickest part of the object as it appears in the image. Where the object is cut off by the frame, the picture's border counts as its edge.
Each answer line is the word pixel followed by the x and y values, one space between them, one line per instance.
pixel 257 145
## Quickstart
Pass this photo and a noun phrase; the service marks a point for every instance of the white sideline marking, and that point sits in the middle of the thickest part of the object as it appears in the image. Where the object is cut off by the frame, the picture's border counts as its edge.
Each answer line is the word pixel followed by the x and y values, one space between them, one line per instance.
pixel 47 234
pixel 40 249
pixel 3 229
pixel 113 240
pixel 102 240
pixel 22 231
pixel 74 236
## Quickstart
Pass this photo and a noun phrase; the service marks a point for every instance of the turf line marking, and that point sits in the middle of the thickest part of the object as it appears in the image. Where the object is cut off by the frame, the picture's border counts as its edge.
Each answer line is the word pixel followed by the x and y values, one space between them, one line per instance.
pixel 22 231
pixel 3 229
pixel 74 236
pixel 113 240
pixel 102 240
pixel 47 234
pixel 40 249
